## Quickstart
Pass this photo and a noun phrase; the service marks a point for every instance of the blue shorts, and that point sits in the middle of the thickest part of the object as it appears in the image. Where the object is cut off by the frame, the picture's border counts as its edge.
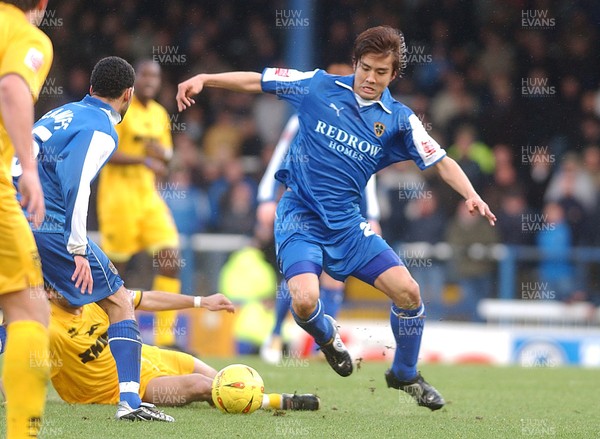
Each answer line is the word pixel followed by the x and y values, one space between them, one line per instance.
pixel 58 267
pixel 305 244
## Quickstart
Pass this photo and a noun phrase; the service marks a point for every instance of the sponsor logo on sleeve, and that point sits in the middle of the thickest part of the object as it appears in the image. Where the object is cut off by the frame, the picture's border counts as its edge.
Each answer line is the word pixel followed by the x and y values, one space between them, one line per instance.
pixel 285 73
pixel 428 148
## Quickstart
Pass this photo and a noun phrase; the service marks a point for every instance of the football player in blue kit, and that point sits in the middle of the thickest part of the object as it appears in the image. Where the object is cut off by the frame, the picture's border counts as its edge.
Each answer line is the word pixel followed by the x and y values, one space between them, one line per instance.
pixel 350 128
pixel 73 143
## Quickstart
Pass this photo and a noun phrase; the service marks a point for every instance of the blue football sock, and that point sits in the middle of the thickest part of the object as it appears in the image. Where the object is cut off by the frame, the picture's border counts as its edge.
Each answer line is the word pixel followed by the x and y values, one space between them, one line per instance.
pixel 316 324
pixel 332 300
pixel 407 326
pixel 126 347
pixel 283 301
pixel 2 338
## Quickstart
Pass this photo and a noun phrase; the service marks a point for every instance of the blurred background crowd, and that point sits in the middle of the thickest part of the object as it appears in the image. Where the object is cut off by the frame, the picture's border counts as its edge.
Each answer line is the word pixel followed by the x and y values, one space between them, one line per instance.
pixel 511 88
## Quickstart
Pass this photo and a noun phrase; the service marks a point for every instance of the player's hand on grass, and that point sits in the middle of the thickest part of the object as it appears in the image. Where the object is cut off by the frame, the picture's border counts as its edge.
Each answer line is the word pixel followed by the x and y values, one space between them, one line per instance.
pixel 476 204
pixel 217 302
pixel 83 275
pixel 157 166
pixel 186 90
pixel 32 196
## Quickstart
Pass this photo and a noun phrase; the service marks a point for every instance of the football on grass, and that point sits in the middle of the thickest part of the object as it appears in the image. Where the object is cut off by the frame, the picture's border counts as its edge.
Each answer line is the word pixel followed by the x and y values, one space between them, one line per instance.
pixel 238 389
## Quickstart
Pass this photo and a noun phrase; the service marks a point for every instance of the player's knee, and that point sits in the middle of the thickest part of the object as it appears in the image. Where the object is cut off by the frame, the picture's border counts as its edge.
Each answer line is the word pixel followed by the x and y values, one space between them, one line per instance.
pixel 409 295
pixel 304 305
pixel 118 306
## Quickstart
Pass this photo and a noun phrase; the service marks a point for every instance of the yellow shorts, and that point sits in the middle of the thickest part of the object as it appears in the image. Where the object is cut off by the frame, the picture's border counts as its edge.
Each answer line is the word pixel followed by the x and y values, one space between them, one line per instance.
pixel 20 265
pixel 133 220
pixel 158 362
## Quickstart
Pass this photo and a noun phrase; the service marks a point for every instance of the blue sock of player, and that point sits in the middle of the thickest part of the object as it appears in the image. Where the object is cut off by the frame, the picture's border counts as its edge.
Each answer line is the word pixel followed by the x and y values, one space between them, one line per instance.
pixel 2 338
pixel 332 300
pixel 126 347
pixel 282 306
pixel 407 325
pixel 316 324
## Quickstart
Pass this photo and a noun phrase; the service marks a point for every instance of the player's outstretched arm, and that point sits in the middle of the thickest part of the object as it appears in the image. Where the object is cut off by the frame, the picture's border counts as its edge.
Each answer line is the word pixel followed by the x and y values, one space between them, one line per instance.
pixel 452 174
pixel 16 109
pixel 247 82
pixel 161 301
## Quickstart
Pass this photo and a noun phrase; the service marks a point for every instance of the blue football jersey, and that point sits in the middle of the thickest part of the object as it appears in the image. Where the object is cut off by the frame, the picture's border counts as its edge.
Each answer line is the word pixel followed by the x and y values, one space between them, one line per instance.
pixel 343 140
pixel 72 143
pixel 267 189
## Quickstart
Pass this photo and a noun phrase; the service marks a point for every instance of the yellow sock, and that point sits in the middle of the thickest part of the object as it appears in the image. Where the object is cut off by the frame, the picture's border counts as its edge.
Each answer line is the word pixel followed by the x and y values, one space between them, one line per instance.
pixel 164 320
pixel 271 401
pixel 25 377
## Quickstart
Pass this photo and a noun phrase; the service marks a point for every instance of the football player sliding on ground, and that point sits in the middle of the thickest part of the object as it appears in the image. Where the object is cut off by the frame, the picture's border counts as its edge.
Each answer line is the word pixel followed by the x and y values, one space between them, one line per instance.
pixel 83 370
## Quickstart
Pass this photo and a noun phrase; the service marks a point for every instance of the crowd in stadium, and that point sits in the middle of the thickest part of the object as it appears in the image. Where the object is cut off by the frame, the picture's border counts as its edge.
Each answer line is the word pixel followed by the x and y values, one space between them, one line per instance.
pixel 510 88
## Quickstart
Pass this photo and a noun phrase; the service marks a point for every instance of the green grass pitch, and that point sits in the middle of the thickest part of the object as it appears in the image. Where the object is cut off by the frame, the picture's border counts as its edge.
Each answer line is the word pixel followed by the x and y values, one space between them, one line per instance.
pixel 482 402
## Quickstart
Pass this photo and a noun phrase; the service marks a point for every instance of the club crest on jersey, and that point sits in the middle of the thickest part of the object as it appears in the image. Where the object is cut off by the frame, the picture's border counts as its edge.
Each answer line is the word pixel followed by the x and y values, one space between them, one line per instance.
pixel 379 128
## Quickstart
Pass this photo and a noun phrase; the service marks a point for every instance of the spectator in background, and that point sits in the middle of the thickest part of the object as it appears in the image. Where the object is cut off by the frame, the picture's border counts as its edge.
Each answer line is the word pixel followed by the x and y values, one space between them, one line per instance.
pixel 513 227
pixel 428 76
pixel 539 165
pixel 533 51
pixel 570 98
pixel 222 187
pixel 502 119
pixel 191 212
pixel 452 102
pixel 222 142
pixel 513 212
pixel 473 156
pixel 505 177
pixel 554 240
pixel 194 123
pixel 578 50
pixel 575 191
pixel 497 57
pixel 237 209
pixel 538 99
pixel 469 235
pixel 426 223
pixel 396 185
pixel 187 156
pixel 188 204
pixel 250 282
pixel 589 131
pixel 591 164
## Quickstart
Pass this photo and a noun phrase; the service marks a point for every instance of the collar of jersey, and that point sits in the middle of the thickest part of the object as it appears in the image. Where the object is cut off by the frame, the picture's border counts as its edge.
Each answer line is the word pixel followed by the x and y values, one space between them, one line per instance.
pixel 114 117
pixel 347 82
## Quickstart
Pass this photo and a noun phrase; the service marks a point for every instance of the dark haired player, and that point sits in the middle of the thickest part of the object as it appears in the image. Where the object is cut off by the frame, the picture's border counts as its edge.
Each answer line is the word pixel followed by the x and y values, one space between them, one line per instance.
pixel 74 142
pixel 350 128
pixel 132 215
